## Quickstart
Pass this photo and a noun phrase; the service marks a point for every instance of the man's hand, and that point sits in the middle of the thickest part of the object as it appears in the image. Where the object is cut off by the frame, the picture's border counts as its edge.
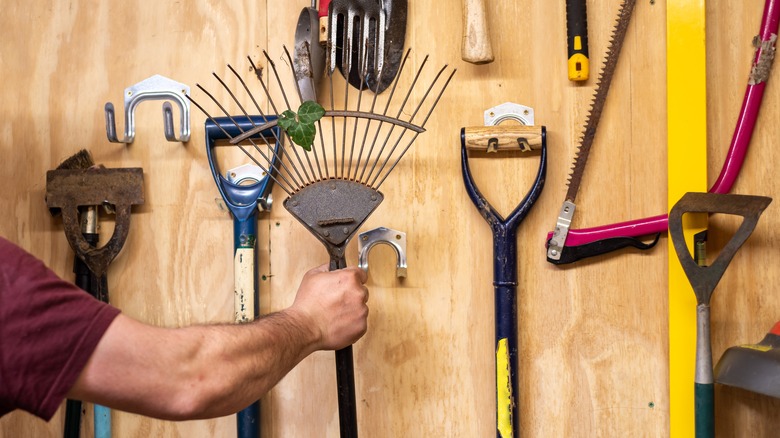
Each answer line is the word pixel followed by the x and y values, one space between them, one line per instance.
pixel 333 304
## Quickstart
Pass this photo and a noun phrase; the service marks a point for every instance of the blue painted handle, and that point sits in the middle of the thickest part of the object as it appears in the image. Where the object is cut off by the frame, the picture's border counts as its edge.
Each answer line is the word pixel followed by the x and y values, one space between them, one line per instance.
pixel 505 287
pixel 102 422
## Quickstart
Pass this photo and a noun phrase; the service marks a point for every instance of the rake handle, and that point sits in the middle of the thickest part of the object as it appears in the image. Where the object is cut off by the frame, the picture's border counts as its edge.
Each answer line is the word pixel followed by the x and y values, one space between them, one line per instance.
pixel 345 378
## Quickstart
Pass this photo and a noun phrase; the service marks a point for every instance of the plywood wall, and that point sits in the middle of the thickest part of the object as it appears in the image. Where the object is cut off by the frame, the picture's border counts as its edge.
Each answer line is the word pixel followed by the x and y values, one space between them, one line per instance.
pixel 593 336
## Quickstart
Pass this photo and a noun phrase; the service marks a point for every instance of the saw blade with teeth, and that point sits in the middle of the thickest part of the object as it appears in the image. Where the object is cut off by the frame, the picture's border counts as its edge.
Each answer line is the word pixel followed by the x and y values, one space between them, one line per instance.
pixel 586 141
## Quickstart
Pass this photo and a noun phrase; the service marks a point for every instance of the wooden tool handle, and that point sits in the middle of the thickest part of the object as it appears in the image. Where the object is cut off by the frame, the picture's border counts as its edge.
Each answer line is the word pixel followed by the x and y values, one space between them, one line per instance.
pixel 504 138
pixel 476 40
pixel 322 12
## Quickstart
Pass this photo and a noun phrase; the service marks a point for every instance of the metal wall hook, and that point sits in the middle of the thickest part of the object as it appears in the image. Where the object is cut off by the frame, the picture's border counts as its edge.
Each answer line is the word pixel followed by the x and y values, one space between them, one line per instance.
pixel 396 239
pixel 156 87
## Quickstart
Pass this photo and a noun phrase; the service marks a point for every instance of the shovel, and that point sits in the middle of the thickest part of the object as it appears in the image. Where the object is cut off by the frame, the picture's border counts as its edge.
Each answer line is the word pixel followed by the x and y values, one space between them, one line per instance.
pixel 309 56
pixel 366 41
pixel 755 367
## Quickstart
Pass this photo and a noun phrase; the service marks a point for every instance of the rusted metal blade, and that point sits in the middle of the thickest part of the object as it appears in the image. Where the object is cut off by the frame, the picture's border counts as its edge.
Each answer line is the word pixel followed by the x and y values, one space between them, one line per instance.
pixel 586 142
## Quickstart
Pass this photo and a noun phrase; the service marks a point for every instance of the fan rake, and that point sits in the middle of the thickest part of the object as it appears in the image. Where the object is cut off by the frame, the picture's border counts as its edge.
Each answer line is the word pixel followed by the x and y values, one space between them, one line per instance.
pixel 333 187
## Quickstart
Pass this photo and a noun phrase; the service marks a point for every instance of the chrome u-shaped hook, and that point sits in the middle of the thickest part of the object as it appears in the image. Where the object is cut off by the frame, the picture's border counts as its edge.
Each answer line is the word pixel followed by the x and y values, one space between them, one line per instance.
pixel 396 239
pixel 154 88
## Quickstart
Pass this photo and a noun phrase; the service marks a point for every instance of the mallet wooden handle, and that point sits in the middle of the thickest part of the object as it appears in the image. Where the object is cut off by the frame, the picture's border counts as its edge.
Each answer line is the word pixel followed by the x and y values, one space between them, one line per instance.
pixel 476 47
pixel 503 138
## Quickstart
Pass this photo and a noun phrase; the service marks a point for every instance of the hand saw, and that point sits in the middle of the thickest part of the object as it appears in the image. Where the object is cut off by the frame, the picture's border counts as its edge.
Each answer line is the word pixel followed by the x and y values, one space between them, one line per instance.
pixel 556 243
pixel 576 244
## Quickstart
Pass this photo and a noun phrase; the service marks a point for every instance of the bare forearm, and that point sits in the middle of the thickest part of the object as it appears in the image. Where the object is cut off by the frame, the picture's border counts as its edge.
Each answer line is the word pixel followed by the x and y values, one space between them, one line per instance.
pixel 193 372
pixel 209 371
pixel 245 364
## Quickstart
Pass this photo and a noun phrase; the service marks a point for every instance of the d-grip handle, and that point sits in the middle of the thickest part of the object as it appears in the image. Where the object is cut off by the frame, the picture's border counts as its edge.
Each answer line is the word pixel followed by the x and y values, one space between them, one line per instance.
pixel 504 138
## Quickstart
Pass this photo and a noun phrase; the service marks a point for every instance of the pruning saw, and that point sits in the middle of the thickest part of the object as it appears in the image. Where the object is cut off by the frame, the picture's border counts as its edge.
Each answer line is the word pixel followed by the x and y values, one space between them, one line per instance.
pixel 556 244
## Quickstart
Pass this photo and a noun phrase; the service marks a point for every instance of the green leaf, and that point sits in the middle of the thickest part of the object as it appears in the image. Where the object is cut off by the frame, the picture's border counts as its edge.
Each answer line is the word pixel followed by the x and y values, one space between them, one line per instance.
pixel 303 134
pixel 310 112
pixel 300 127
pixel 287 120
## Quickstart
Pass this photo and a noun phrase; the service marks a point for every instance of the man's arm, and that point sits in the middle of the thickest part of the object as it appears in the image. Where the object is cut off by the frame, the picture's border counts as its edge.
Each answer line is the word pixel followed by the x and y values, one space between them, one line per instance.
pixel 215 370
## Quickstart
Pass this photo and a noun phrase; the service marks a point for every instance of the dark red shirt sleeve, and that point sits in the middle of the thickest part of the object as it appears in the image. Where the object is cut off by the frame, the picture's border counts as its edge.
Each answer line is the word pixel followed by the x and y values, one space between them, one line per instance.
pixel 48 330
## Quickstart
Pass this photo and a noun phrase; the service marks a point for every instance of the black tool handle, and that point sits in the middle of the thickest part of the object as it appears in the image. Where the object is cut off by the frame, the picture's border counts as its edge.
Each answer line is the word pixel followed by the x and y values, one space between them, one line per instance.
pixel 83 280
pixel 577 40
pixel 345 377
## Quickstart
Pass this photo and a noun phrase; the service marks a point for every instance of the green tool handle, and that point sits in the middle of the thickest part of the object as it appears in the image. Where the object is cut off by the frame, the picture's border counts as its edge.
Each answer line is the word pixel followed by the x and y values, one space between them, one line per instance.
pixel 577 40
pixel 704 399
pixel 704 382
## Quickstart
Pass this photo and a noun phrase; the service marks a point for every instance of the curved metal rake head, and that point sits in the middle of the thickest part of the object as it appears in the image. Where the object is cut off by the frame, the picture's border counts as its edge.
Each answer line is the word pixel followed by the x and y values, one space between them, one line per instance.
pixel 357 144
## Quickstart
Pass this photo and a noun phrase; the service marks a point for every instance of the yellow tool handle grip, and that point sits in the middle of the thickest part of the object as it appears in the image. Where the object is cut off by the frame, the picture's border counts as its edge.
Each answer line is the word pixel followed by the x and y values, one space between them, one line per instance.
pixel 503 138
pixel 577 40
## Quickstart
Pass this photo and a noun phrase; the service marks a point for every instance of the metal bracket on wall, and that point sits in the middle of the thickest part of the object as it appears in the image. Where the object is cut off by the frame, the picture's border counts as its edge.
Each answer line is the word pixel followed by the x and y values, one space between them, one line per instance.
pixel 396 239
pixel 154 88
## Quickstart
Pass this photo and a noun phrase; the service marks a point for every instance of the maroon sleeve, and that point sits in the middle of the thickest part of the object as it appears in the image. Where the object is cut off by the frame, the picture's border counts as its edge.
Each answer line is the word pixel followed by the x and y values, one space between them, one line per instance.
pixel 48 330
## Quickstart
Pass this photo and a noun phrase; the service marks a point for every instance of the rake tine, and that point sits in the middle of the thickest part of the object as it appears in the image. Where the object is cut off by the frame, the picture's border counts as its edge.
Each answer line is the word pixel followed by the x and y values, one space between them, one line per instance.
pixel 230 92
pixel 263 168
pixel 235 123
pixel 289 139
pixel 344 125
pixel 368 123
pixel 387 105
pixel 363 73
pixel 300 97
pixel 251 96
pixel 430 111
pixel 270 162
pixel 254 67
pixel 333 126
pixel 400 111
pixel 284 95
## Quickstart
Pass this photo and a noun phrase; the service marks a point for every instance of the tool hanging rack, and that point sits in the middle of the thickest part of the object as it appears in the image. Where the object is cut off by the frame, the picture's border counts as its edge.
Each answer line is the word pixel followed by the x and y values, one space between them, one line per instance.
pixel 363 144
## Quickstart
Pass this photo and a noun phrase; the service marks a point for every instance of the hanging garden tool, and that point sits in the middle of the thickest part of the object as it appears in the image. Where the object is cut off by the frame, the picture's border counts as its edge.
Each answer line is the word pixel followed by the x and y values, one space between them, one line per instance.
pixel 366 41
pixel 495 139
pixel 88 216
pixel 558 240
pixel 754 367
pixel 309 55
pixel 566 245
pixel 704 279
pixel 76 193
pixel 332 180
pixel 246 190
pixel 475 44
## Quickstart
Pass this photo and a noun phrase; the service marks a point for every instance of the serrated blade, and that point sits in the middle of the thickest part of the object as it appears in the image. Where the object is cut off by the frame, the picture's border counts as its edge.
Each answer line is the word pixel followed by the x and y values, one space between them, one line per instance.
pixel 592 121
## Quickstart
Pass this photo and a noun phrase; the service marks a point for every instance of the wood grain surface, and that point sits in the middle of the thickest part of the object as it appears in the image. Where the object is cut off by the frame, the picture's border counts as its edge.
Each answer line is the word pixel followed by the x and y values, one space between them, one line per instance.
pixel 592 336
